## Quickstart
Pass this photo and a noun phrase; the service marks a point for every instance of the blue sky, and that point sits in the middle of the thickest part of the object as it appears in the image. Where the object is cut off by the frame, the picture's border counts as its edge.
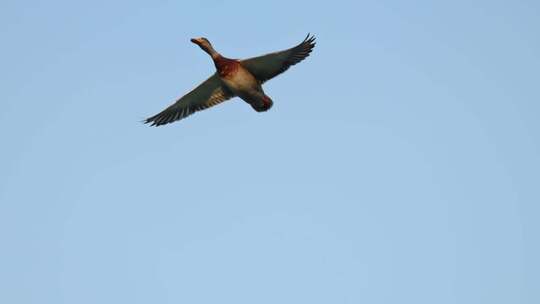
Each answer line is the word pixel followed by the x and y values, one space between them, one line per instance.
pixel 399 164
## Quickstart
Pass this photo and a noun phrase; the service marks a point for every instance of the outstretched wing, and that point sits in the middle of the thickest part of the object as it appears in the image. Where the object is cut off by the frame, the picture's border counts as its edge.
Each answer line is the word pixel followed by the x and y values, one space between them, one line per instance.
pixel 209 93
pixel 270 65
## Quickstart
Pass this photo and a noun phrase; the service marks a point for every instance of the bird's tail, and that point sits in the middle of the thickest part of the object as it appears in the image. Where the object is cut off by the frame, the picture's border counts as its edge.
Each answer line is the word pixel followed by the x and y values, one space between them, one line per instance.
pixel 263 104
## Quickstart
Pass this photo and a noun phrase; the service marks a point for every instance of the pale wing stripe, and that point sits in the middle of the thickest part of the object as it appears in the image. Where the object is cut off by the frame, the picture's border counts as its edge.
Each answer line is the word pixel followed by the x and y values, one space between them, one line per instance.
pixel 209 93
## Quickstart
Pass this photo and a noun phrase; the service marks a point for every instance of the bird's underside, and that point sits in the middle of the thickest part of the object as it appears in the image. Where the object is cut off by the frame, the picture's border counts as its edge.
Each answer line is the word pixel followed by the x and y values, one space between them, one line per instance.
pixel 242 78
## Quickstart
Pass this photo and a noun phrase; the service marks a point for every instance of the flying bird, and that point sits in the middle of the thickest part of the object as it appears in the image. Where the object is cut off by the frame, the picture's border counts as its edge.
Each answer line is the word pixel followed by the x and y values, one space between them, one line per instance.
pixel 233 77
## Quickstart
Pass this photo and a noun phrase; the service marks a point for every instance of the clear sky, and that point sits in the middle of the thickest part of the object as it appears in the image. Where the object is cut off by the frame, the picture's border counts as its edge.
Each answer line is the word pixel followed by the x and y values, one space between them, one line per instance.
pixel 399 164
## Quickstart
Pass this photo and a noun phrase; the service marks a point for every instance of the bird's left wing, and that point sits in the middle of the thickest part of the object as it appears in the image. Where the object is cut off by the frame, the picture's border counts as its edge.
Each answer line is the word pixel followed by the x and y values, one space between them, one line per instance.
pixel 209 93
pixel 270 65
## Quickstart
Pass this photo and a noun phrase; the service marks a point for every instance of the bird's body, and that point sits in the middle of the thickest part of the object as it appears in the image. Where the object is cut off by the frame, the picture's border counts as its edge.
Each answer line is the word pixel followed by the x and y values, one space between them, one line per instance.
pixel 242 78
pixel 243 84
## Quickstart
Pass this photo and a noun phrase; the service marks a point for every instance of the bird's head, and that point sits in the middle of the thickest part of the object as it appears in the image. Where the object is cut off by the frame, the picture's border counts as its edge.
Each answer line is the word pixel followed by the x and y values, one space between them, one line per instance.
pixel 202 42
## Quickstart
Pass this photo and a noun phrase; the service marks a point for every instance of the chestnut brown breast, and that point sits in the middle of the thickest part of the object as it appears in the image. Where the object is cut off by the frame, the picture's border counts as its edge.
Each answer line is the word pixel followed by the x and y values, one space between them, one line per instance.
pixel 225 66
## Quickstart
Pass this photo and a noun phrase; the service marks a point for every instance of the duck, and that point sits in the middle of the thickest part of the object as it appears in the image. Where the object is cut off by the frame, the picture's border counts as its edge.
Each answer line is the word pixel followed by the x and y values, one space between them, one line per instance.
pixel 234 78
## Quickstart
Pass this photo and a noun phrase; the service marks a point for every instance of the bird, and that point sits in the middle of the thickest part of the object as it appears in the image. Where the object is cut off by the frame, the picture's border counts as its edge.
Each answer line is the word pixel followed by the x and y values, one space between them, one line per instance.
pixel 234 78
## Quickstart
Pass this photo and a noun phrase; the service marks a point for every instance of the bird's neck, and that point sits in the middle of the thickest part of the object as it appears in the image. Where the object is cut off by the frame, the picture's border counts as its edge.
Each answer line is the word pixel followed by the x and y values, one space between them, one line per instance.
pixel 224 65
pixel 210 51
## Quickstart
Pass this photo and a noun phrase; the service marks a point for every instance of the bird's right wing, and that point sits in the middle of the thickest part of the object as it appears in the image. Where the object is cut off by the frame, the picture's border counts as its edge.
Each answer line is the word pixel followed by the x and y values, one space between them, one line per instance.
pixel 270 65
pixel 209 93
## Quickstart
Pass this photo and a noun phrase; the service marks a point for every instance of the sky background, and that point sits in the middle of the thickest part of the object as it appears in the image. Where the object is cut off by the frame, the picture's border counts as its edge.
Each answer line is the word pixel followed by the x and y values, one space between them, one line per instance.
pixel 399 164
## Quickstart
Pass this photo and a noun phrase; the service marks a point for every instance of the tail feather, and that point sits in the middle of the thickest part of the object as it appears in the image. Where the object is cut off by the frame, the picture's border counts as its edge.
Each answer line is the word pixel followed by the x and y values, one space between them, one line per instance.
pixel 263 104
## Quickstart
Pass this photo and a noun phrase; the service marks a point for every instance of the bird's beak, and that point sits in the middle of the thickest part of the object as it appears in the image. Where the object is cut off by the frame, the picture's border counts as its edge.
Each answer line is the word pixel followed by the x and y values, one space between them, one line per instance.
pixel 194 41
